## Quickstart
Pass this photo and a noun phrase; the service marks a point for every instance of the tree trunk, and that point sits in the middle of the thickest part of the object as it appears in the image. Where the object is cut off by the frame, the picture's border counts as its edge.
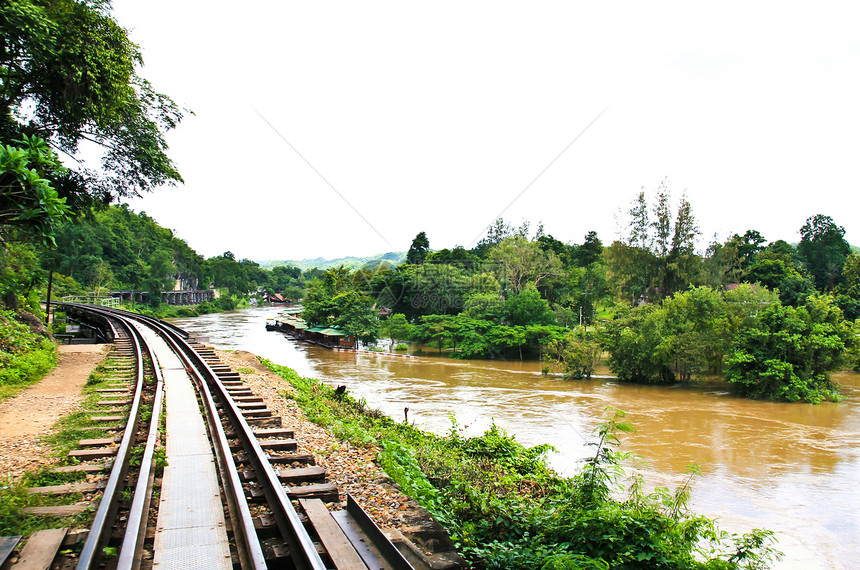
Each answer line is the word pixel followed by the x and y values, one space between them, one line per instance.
pixel 10 299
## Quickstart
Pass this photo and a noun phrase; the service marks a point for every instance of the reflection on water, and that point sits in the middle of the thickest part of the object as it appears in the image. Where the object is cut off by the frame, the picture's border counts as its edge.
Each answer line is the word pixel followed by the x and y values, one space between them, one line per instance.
pixel 791 468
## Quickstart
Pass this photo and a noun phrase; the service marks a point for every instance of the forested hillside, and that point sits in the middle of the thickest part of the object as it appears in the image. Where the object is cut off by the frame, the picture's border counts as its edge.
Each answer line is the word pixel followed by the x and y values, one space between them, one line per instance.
pixel 117 249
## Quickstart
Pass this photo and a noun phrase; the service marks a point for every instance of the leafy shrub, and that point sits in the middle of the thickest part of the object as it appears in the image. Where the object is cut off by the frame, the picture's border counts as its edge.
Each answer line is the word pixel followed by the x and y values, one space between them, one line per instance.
pixel 787 352
pixel 186 312
pixel 24 357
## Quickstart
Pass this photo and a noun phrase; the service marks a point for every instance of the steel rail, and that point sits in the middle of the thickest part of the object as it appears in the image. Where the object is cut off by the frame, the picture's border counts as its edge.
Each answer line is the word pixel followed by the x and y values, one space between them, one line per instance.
pixel 248 544
pixel 102 523
pixel 135 530
pixel 302 549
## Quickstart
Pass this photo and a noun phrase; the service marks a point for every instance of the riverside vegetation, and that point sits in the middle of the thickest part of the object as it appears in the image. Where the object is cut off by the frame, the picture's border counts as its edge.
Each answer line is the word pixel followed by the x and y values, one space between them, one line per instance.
pixel 505 508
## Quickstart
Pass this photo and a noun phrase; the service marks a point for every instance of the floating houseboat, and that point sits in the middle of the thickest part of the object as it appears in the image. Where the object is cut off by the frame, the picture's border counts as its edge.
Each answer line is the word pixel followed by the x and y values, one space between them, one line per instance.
pixel 291 323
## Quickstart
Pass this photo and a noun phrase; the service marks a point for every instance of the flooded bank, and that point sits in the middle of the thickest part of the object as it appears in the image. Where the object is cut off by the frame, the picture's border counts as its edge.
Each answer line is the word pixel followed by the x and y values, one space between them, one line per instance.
pixel 791 468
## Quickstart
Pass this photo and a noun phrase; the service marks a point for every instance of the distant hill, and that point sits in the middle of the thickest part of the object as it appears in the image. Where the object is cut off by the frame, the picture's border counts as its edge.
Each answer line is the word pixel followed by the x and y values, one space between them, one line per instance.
pixel 393 258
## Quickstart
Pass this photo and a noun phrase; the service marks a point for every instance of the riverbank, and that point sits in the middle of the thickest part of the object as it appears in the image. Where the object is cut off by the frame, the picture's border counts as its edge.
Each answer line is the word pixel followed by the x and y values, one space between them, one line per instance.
pixel 352 467
pixel 505 508
pixel 791 468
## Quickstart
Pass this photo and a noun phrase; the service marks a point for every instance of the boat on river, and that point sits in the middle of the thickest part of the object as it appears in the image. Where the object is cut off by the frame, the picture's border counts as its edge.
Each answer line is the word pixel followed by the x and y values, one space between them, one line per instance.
pixel 290 322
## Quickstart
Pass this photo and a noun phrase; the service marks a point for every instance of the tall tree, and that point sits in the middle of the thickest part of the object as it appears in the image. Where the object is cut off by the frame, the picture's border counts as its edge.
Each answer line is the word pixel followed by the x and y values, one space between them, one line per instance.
pixel 519 261
pixel 640 225
pixel 662 221
pixel 418 250
pixel 68 75
pixel 748 246
pixel 496 232
pixel 590 251
pixel 681 265
pixel 823 250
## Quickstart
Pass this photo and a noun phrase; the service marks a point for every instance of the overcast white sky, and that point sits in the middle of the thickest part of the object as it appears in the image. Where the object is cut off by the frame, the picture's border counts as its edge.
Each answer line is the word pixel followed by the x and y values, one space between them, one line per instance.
pixel 435 116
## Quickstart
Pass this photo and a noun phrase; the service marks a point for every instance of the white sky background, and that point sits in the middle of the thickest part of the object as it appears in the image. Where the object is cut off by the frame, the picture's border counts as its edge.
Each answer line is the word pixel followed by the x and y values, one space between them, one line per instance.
pixel 434 116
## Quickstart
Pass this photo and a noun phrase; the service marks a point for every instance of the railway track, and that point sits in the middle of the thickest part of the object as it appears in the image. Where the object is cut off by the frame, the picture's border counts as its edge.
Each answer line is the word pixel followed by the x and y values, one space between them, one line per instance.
pixel 235 493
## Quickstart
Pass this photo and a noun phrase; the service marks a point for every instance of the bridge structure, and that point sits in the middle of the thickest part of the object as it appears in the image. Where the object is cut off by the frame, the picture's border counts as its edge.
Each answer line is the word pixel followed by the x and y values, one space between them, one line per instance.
pixel 189 297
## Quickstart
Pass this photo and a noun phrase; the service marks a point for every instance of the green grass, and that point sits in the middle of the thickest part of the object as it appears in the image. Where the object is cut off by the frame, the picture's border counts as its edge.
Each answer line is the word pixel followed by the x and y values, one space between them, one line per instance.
pixel 13 493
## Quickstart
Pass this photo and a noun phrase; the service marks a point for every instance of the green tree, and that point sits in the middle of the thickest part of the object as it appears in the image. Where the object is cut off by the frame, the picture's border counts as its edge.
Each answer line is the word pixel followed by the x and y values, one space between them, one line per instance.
pixel 396 327
pixel 437 288
pixel 640 225
pixel 528 308
pixel 662 222
pixel 437 329
pixel 418 250
pixel 458 256
pixel 485 306
pixel 850 285
pixel 496 232
pixel 160 271
pixel 630 271
pixel 575 355
pixel 69 75
pixel 518 262
pixel 787 352
pixel 823 250
pixel 20 277
pixel 695 338
pixel 748 246
pixel 28 200
pixel 591 250
pixel 720 265
pixel 633 341
pixel 681 265
pixel 229 273
pixel 335 300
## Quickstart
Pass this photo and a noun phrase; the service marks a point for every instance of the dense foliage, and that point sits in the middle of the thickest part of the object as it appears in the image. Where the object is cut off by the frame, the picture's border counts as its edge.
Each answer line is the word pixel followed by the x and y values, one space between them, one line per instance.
pixel 504 508
pixel 24 356
pixel 670 314
pixel 68 75
pixel 786 352
pixel 118 249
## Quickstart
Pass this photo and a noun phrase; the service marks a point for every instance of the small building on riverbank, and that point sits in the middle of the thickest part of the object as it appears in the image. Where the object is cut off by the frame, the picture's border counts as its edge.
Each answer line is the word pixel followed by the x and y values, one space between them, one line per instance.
pixel 331 337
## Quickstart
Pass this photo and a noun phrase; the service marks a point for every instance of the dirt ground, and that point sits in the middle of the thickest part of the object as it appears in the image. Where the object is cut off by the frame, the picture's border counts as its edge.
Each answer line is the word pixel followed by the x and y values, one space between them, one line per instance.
pixel 28 416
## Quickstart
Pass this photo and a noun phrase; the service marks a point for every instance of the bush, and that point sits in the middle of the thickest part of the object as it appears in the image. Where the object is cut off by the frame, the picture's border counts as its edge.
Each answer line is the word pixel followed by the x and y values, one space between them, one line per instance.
pixel 787 353
pixel 401 347
pixel 24 356
pixel 186 312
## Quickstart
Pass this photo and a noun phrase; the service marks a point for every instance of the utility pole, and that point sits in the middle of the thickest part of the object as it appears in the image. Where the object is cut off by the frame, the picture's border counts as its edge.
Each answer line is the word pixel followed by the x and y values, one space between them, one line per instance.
pixel 48 302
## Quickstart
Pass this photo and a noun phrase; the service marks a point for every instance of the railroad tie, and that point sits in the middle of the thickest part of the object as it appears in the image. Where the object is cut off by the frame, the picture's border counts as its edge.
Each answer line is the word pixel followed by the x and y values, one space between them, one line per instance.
pixel 41 548
pixel 69 488
pixel 97 453
pixel 337 544
pixel 327 492
pixel 294 475
pixel 58 510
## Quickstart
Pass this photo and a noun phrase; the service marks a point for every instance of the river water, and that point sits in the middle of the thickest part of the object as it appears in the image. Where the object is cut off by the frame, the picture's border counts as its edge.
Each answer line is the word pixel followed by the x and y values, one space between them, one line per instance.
pixel 790 468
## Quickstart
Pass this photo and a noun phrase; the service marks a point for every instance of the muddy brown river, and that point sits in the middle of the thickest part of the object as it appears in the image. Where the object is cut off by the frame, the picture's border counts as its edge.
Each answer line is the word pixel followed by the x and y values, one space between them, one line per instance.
pixel 790 468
